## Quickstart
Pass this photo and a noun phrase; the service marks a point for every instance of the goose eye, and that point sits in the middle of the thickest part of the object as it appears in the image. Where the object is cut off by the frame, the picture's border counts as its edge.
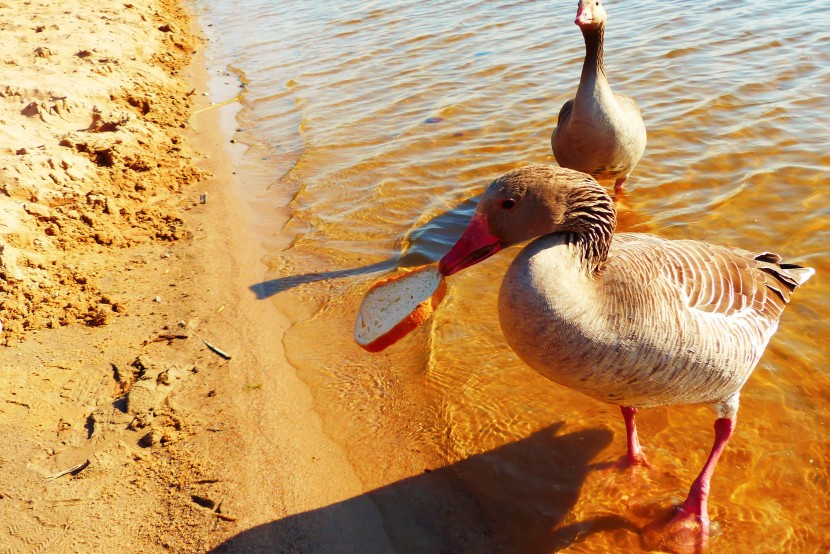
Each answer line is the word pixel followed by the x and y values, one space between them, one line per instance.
pixel 507 204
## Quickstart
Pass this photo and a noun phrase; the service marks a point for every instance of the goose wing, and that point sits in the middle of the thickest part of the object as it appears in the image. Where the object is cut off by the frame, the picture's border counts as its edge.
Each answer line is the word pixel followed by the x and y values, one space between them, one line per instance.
pixel 565 112
pixel 730 281
pixel 628 104
pixel 711 279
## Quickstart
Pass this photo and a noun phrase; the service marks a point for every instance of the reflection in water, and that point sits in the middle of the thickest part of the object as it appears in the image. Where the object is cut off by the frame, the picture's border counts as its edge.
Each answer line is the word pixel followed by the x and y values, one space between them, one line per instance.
pixel 397 114
pixel 422 245
pixel 271 287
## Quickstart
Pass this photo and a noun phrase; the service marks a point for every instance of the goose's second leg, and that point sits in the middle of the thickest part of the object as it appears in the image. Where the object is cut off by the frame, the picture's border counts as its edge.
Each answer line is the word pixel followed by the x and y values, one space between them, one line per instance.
pixel 687 530
pixel 694 506
pixel 634 455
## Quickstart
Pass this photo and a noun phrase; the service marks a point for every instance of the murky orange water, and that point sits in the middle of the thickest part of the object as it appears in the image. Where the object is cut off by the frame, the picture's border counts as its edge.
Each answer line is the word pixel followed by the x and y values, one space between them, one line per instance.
pixel 384 121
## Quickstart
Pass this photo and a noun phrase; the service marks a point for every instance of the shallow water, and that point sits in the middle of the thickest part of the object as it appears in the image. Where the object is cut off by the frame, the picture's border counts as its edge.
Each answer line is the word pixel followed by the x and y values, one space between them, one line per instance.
pixel 381 122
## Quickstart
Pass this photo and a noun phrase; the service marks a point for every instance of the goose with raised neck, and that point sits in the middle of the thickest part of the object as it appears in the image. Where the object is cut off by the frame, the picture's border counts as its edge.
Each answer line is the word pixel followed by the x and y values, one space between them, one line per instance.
pixel 598 132
pixel 630 319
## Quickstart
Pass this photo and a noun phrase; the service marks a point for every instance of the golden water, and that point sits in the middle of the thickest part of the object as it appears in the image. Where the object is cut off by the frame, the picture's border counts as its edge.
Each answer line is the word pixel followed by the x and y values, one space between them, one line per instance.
pixel 382 121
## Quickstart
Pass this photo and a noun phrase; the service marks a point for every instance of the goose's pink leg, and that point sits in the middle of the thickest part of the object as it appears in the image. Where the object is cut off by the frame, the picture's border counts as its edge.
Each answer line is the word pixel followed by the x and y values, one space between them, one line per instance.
pixel 635 451
pixel 618 184
pixel 688 529
pixel 695 504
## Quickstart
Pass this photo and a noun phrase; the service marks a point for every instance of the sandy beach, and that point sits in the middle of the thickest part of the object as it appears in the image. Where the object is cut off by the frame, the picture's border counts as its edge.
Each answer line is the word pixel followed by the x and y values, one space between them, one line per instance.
pixel 123 431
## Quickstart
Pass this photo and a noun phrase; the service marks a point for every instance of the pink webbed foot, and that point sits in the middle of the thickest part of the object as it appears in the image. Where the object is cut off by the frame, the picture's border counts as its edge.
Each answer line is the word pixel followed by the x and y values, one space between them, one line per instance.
pixel 679 532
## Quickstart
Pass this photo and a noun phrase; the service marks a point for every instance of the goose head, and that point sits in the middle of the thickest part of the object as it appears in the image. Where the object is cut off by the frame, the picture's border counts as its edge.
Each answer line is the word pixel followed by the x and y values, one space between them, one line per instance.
pixel 590 14
pixel 529 202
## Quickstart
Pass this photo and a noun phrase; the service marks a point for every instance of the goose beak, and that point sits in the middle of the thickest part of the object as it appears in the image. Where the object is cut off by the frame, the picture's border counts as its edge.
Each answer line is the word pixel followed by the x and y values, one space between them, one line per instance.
pixel 583 16
pixel 476 244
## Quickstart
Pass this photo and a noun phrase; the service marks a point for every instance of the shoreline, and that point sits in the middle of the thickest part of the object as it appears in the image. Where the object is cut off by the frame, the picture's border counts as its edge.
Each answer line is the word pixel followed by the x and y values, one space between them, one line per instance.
pixel 171 447
pixel 152 406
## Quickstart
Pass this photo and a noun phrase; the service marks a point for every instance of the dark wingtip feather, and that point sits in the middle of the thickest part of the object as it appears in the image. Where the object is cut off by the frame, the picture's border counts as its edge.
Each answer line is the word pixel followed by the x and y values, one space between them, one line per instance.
pixel 787 274
pixel 565 112
pixel 769 257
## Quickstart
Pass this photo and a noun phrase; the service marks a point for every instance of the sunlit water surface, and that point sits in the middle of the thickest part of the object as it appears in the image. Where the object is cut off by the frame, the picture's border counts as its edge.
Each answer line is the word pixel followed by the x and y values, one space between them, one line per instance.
pixel 383 121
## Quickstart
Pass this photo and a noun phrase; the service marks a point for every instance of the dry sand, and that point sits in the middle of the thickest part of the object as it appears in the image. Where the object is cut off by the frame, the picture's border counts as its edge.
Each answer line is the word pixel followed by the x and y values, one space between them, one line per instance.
pixel 121 431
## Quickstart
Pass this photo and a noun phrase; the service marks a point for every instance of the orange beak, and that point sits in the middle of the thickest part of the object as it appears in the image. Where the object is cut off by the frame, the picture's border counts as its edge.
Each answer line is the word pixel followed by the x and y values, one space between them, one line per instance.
pixel 476 244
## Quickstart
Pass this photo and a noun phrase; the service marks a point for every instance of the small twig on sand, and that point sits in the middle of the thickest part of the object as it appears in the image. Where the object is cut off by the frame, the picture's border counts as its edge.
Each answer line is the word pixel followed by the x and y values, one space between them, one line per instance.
pixel 221 353
pixel 224 355
pixel 74 470
pixel 170 337
pixel 16 403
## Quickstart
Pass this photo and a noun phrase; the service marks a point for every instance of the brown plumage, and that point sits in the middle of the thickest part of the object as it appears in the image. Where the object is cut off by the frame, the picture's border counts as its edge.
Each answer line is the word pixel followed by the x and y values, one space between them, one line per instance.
pixel 631 319
pixel 598 132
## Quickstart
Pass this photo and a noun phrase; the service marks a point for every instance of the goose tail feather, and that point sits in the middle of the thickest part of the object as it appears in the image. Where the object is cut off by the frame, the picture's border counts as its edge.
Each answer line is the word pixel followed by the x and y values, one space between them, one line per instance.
pixel 787 274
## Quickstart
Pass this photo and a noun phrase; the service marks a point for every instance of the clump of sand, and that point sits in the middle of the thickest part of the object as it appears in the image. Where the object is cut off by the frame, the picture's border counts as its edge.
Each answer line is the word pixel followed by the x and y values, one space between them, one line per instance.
pixel 91 154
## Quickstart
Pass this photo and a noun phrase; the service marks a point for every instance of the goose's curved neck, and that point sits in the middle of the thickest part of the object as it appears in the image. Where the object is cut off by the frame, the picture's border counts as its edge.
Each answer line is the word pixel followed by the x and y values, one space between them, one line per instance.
pixel 593 69
pixel 593 220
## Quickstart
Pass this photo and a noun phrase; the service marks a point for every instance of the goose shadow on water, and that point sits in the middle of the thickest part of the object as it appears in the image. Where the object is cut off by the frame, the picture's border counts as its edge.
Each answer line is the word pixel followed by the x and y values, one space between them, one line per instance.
pixel 509 499
pixel 425 244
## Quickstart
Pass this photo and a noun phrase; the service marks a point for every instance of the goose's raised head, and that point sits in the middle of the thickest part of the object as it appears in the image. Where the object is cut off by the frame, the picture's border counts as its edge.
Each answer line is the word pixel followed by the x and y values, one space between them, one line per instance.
pixel 590 14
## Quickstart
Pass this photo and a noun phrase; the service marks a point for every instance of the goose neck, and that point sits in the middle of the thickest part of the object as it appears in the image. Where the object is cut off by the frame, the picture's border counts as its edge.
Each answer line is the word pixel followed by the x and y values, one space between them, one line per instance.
pixel 593 68
pixel 593 221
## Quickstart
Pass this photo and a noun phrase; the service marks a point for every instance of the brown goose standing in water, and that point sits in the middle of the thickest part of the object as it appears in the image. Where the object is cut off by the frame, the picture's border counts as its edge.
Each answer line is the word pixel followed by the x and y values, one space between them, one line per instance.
pixel 599 133
pixel 631 319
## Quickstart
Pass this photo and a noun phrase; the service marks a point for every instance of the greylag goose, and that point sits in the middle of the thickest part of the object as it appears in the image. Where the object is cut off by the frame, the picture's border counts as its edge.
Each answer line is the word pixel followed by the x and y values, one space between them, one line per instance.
pixel 598 132
pixel 631 319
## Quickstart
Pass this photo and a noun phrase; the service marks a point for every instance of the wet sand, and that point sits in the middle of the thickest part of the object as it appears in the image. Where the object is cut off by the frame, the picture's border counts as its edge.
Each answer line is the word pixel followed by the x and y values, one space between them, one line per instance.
pixel 122 430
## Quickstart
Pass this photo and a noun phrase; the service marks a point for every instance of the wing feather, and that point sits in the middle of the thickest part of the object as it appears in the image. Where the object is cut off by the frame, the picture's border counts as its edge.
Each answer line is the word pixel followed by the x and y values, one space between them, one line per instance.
pixel 721 280
pixel 710 278
pixel 565 112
